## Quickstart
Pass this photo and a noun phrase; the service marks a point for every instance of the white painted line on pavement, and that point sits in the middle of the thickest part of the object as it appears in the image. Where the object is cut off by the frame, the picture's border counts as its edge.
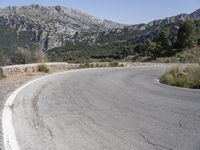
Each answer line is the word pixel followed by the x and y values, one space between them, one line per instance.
pixel 9 136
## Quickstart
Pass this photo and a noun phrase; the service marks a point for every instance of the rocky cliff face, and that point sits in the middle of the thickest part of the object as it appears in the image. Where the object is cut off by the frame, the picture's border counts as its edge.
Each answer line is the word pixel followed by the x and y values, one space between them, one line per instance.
pixel 53 26
pixel 142 32
pixel 194 15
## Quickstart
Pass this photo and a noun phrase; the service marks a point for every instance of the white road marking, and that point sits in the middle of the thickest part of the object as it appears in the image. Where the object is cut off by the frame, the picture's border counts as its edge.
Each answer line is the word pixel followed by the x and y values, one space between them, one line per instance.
pixel 9 136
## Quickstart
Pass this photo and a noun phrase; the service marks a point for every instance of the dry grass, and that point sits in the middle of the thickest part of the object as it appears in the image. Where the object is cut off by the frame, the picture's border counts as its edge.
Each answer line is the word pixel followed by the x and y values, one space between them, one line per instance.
pixel 115 64
pixel 187 56
pixel 43 68
pixel 188 77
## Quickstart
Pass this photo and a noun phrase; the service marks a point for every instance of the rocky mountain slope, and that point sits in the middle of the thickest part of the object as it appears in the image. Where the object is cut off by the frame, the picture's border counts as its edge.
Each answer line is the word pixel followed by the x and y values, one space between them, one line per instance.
pixel 52 26
pixel 142 32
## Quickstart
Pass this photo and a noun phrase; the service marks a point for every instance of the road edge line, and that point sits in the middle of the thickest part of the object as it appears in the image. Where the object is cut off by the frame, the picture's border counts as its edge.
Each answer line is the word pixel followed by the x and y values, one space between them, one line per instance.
pixel 9 136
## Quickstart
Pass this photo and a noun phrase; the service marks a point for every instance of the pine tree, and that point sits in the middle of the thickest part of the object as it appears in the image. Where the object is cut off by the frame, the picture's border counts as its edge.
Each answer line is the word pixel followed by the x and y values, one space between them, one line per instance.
pixel 165 42
pixel 186 35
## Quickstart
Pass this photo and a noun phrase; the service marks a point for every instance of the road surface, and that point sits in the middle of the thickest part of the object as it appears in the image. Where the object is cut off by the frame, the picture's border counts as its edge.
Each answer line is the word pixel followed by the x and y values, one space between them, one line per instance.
pixel 106 109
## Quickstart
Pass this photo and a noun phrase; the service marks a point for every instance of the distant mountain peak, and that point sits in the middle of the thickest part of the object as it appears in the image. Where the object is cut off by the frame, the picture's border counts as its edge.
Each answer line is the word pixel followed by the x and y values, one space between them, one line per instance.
pixel 53 26
pixel 60 13
pixel 194 15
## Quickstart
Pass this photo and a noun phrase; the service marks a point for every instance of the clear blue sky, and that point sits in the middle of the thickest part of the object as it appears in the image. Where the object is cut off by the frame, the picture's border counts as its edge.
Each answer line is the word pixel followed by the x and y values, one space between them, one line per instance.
pixel 124 11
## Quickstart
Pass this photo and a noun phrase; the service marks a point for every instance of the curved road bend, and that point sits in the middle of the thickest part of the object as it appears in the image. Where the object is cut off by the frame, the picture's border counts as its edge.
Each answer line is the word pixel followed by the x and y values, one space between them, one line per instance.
pixel 107 109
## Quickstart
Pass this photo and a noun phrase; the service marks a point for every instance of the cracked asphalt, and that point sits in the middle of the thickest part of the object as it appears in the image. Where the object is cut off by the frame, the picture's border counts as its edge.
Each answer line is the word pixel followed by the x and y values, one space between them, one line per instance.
pixel 107 109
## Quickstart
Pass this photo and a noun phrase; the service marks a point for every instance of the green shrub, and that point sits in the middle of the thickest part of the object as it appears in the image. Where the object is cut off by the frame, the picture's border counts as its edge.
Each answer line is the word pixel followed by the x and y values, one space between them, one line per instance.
pixel 188 77
pixel 43 68
pixel 181 81
pixel 167 78
pixel 114 64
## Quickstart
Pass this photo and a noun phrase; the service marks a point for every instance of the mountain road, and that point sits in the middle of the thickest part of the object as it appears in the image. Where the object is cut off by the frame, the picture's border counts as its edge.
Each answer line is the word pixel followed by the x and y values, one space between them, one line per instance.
pixel 106 109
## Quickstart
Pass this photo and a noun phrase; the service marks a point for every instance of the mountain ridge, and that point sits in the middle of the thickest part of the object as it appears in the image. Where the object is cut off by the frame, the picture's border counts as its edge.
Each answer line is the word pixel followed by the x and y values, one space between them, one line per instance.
pixel 52 26
pixel 55 12
pixel 150 30
pixel 55 26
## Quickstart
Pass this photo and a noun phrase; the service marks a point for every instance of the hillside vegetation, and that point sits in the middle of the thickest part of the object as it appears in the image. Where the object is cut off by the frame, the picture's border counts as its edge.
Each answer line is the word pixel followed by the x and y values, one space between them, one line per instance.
pixel 167 47
pixel 64 34
pixel 189 55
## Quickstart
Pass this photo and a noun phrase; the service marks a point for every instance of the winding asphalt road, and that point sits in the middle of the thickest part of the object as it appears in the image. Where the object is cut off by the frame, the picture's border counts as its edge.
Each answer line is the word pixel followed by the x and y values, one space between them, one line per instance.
pixel 107 109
